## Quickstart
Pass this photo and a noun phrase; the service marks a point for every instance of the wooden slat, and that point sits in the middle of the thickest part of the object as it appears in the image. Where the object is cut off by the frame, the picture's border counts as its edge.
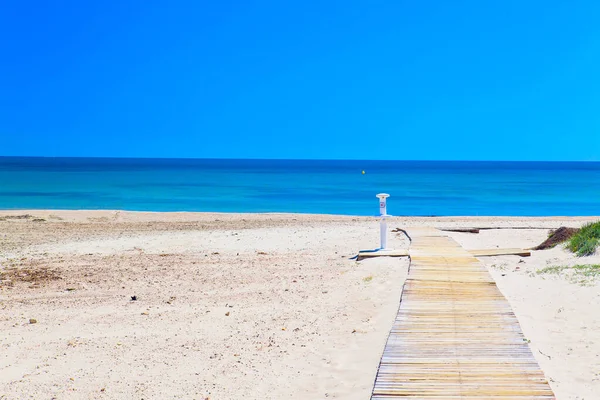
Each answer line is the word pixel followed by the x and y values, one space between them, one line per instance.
pixel 463 230
pixel 500 252
pixel 455 336
pixel 381 253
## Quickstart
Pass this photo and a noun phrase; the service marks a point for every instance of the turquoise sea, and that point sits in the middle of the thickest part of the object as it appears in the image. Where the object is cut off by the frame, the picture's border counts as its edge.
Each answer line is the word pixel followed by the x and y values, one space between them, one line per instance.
pixel 302 186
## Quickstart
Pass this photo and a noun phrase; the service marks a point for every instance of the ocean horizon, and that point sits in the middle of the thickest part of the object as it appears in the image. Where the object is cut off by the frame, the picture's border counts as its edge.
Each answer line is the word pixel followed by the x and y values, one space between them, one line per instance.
pixel 417 188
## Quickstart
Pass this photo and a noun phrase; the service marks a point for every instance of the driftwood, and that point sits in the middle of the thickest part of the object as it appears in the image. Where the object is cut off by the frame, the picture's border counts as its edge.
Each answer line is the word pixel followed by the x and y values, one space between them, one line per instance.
pixel 465 230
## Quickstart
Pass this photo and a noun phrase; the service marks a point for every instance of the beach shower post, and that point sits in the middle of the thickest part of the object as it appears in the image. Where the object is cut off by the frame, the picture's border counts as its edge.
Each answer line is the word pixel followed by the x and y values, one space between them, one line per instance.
pixel 383 224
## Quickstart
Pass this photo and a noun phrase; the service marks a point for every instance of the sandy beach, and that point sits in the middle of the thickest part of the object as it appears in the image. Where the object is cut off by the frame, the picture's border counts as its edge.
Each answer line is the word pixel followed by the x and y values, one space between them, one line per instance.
pixel 252 306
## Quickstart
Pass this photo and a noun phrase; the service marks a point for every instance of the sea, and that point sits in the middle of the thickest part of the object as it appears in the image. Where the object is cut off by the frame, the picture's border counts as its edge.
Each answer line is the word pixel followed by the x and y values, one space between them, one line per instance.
pixel 416 188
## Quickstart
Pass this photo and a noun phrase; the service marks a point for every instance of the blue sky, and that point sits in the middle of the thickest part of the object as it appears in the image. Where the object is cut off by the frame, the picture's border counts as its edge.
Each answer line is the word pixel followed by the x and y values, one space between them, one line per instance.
pixel 450 80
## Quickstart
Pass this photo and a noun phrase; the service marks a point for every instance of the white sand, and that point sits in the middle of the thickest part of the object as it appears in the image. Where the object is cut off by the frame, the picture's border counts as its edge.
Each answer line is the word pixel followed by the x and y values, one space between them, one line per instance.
pixel 265 306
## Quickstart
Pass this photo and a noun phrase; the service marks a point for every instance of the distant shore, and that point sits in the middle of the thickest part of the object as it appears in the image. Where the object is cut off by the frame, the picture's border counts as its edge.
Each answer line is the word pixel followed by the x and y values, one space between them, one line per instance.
pixel 251 305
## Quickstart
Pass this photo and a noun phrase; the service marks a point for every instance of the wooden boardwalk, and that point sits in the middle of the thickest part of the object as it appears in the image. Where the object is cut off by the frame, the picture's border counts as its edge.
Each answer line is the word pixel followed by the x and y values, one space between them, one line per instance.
pixel 455 335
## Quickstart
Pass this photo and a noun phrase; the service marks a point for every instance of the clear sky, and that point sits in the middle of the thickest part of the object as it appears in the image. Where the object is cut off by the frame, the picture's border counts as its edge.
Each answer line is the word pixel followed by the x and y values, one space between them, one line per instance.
pixel 466 80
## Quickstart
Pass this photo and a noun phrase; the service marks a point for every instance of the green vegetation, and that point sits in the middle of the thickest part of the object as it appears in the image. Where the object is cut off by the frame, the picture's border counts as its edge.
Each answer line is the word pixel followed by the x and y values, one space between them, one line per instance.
pixel 585 242
pixel 554 270
pixel 581 274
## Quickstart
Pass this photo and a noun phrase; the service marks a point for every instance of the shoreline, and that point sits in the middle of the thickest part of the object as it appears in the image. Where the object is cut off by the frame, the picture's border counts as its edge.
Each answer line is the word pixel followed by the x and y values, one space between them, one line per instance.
pixel 258 215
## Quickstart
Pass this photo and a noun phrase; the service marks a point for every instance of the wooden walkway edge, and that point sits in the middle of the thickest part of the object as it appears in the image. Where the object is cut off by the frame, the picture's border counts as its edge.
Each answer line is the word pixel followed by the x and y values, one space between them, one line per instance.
pixel 455 335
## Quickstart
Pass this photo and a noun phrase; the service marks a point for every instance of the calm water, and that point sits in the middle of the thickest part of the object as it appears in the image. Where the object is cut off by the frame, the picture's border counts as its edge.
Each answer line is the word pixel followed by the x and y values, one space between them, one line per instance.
pixel 333 187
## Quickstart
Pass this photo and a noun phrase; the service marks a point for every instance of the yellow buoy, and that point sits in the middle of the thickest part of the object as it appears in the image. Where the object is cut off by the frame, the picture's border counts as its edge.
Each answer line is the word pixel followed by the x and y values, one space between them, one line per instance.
pixel 363 172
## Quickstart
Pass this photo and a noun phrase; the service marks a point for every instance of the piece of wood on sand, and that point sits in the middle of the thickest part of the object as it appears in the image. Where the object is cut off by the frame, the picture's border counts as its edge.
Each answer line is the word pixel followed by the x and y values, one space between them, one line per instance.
pixel 500 252
pixel 381 253
pixel 463 230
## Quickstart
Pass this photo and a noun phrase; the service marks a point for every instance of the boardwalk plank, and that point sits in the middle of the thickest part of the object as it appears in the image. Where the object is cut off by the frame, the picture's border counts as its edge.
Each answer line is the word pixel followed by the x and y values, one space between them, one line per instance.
pixel 455 336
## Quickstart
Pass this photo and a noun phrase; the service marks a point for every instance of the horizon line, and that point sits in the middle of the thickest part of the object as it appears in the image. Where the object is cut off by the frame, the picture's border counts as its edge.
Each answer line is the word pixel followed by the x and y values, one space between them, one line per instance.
pixel 293 159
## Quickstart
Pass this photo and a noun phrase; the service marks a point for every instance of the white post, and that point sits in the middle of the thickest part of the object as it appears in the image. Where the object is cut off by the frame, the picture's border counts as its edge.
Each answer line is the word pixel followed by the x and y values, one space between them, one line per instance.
pixel 383 233
pixel 383 224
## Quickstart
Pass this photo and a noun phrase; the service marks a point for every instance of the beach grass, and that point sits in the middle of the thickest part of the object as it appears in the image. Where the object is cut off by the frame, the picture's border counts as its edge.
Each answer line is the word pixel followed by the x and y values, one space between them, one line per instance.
pixel 584 274
pixel 586 241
